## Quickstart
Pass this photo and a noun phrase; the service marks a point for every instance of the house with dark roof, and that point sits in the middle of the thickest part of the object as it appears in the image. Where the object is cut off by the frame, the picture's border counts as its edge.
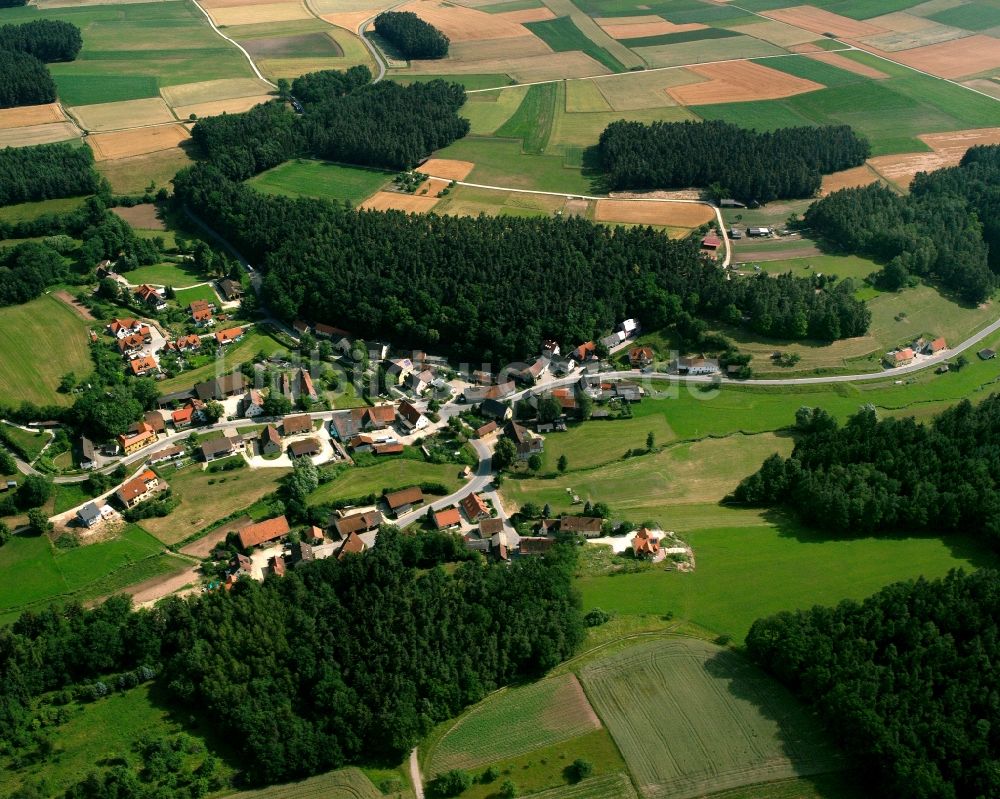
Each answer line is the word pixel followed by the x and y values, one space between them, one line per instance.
pixel 230 289
pixel 526 443
pixel 533 546
pixel 166 454
pixel 227 386
pixel 986 354
pixel 262 532
pixel 495 410
pixel 88 454
pixel 411 419
pixel 586 526
pixel 89 515
pixel 357 523
pixel 269 442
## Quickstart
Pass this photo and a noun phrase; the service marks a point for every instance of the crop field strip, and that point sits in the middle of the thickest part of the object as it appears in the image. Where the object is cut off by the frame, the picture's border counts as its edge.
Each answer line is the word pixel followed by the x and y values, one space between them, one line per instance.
pixel 346 783
pixel 693 718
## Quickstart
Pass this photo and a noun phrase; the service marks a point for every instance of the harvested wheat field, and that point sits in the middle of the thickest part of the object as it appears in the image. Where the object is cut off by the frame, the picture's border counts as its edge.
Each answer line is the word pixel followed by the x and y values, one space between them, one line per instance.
pixel 849 64
pixel 30 115
pixel 948 149
pixel 650 26
pixel 350 20
pixel 527 15
pixel 953 59
pixel 31 135
pixel 646 212
pixel 122 115
pixel 446 168
pixel 553 66
pixel 848 179
pixel 259 13
pixel 775 32
pixel 819 21
pixel 127 143
pixel 208 90
pixel 394 201
pixel 465 24
pixel 736 81
pixel 236 105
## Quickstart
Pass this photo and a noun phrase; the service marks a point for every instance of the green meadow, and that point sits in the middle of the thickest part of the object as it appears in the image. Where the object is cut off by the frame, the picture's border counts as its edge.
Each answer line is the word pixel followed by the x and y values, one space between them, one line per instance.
pixel 305 178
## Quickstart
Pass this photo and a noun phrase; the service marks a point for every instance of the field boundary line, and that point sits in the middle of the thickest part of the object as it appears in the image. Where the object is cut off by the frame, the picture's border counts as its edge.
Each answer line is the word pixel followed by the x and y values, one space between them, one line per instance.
pixel 235 44
pixel 653 69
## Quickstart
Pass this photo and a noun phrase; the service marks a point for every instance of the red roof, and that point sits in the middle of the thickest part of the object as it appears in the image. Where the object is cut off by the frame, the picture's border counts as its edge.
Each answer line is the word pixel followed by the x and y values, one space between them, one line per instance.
pixel 136 487
pixel 264 531
pixel 406 496
pixel 939 344
pixel 228 335
pixel 142 365
pixel 474 506
pixel 447 518
pixel 388 449
pixel 183 416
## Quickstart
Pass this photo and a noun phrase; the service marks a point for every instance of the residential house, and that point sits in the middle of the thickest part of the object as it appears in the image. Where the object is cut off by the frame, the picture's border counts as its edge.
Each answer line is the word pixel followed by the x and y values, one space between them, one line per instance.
pixel 305 448
pixel 711 242
pixel 550 348
pixel 585 352
pixel 137 489
pixel 586 526
pixel 490 527
pixel 646 544
pixel 150 296
pixel 252 404
pixel 494 409
pixel 184 344
pixel 262 532
pixel 352 545
pixel 227 386
pixel 166 454
pixel 449 517
pixel 294 425
pixel 155 420
pixel 285 386
pixel 532 546
pixel 411 419
pixel 133 442
pixel 301 327
pixel 475 508
pixel 486 430
pixel 216 449
pixel 276 565
pixel 400 368
pixel 361 443
pixel 526 442
pixel 201 313
pixel 131 345
pixel 900 357
pixel 228 336
pixel 480 393
pixel 937 345
pixel 143 365
pixel 697 366
pixel 388 448
pixel 378 417
pixel 613 340
pixel 482 378
pixel 304 384
pixel 269 442
pixel 421 381
pixel 640 357
pixel 119 328
pixel 500 546
pixel 329 331
pixel 230 290
pixel 536 370
pixel 628 391
pixel 89 515
pixel 88 453
pixel 183 417
pixel 401 502
pixel 358 523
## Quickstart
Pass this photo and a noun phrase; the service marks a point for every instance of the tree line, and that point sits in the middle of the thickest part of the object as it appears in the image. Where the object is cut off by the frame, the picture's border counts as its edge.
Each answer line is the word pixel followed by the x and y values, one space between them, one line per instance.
pixel 24 50
pixel 410 35
pixel 345 119
pixel 906 680
pixel 490 288
pixel 735 162
pixel 872 476
pixel 946 229
pixel 45 171
pixel 337 662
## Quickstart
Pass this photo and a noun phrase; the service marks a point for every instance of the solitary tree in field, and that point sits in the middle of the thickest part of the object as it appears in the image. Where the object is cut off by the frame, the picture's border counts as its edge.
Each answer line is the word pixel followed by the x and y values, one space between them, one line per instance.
pixel 562 463
pixel 650 441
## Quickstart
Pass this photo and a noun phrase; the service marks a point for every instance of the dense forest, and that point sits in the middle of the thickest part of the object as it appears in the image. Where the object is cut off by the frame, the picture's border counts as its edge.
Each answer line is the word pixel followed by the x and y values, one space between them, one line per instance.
pixel 27 269
pixel 741 163
pixel 410 35
pixel 907 680
pixel 45 171
pixel 344 119
pixel 336 662
pixel 493 288
pixel 47 40
pixel 24 80
pixel 12 3
pixel 946 229
pixel 870 475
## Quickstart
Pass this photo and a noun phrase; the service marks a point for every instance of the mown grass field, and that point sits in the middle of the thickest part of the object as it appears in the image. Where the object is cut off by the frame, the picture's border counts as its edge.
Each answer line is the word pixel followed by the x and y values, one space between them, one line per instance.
pixel 23 212
pixel 532 121
pixel 515 722
pixel 391 474
pixel 185 297
pixel 98 733
pixel 47 574
pixel 303 178
pixel 501 162
pixel 205 498
pixel 28 373
pixel 31 442
pixel 691 718
pixel 168 274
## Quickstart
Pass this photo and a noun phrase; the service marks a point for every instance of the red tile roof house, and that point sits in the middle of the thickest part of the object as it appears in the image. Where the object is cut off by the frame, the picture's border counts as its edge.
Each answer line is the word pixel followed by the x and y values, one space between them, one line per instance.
pixel 135 441
pixel 938 345
pixel 202 315
pixel 262 532
pixel 119 328
pixel 711 242
pixel 640 356
pixel 138 488
pixel 182 418
pixel 305 385
pixel 645 545
pixel 449 517
pixel 184 343
pixel 353 545
pixel 228 336
pixel 394 448
pixel 293 425
pixel 144 365
pixel 474 507
pixel 900 357
pixel 150 296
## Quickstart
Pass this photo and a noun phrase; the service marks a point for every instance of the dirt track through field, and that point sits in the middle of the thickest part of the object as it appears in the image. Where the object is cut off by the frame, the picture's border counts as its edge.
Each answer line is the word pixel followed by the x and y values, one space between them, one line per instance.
pixel 81 310
pixel 736 81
